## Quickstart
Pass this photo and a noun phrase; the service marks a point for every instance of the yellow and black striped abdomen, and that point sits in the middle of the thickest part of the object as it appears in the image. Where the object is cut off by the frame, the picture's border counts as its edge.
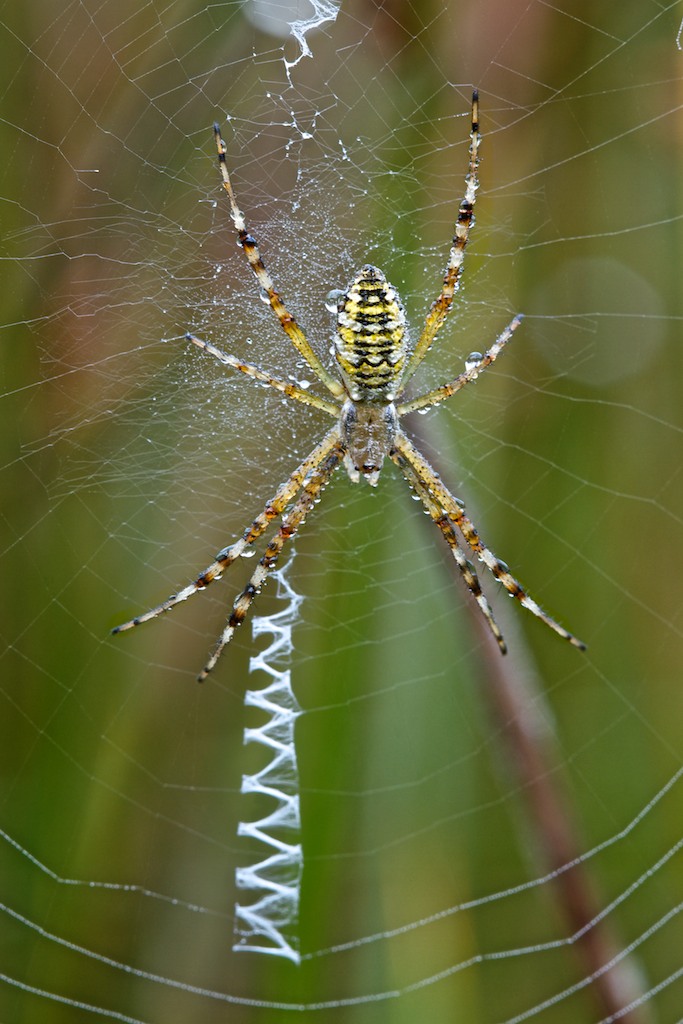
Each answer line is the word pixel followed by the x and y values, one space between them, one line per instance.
pixel 370 342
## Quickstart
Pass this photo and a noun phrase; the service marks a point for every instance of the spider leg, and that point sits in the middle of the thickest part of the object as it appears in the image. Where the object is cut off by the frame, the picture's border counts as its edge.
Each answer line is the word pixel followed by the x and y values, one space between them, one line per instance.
pixel 451 282
pixel 444 523
pixel 275 507
pixel 474 368
pixel 456 514
pixel 291 390
pixel 251 251
pixel 289 526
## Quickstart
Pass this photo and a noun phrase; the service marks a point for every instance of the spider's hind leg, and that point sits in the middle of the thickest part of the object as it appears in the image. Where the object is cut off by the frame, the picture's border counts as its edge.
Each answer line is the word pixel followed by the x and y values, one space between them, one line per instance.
pixel 253 255
pixel 451 281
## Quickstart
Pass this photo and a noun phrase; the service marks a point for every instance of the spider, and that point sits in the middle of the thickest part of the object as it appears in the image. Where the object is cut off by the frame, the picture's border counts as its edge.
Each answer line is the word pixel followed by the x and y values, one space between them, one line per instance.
pixel 374 366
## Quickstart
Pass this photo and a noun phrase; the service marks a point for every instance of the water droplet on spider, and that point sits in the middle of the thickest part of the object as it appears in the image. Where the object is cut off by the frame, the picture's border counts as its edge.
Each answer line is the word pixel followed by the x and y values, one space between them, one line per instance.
pixel 264 297
pixel 415 497
pixel 423 412
pixel 248 553
pixel 332 300
pixel 473 360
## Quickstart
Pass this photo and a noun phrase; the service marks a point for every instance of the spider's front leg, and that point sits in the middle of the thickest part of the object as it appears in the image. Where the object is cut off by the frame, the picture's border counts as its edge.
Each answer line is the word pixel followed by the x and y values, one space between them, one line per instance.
pixel 290 524
pixel 444 523
pixel 275 507
pixel 431 481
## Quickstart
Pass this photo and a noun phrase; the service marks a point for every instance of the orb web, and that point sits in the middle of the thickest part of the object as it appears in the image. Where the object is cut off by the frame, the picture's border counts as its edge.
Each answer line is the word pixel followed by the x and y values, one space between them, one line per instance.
pixel 479 839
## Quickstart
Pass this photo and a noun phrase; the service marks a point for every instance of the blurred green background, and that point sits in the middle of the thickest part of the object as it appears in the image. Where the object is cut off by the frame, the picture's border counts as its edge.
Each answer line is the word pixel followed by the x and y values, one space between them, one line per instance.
pixel 127 461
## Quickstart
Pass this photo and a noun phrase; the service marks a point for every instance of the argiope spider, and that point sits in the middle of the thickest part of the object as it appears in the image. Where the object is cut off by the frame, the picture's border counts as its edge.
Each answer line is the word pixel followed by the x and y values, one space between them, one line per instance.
pixel 375 365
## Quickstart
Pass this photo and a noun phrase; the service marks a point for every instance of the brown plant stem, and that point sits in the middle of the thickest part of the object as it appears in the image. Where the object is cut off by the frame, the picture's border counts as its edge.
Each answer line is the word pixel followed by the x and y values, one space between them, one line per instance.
pixel 530 752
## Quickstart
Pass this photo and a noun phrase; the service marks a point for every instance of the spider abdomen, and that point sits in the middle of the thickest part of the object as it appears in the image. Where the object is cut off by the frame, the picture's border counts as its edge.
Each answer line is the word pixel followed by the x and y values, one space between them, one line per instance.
pixel 371 340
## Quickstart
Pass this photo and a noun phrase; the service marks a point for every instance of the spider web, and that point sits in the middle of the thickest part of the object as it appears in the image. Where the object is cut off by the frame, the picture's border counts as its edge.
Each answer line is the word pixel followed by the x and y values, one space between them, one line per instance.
pixel 484 839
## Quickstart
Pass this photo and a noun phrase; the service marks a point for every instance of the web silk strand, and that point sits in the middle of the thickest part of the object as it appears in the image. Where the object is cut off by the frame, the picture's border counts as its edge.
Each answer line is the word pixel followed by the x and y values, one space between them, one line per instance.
pixel 268 924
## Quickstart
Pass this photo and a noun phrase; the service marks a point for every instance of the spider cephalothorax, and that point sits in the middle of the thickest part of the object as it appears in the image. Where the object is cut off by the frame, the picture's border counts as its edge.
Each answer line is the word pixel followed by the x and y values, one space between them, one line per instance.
pixel 375 364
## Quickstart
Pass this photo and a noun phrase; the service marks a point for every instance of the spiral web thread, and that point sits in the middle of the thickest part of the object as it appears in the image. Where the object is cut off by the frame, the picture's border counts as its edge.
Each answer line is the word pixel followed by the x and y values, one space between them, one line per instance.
pixel 266 925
